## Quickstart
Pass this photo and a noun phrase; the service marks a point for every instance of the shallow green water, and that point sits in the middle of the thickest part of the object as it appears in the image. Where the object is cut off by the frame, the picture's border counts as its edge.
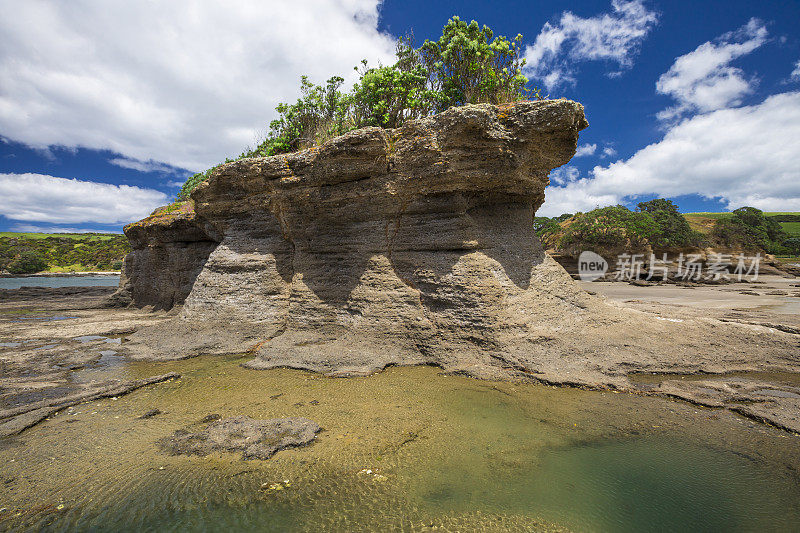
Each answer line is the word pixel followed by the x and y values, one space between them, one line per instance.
pixel 403 450
pixel 656 484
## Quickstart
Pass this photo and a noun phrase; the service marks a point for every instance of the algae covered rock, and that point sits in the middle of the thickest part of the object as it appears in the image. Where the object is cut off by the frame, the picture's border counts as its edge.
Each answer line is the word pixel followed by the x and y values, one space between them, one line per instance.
pixel 255 439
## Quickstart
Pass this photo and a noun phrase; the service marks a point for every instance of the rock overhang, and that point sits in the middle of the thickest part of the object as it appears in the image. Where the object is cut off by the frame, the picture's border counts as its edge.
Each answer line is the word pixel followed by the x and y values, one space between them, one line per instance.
pixel 405 246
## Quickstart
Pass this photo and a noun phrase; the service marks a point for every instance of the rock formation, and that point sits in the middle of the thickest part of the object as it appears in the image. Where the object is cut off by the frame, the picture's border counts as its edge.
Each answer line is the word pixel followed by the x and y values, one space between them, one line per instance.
pixel 256 439
pixel 169 250
pixel 405 246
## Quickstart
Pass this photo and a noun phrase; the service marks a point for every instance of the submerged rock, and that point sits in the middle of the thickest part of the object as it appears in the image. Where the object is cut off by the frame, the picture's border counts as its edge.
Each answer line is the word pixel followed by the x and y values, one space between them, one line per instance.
pixel 256 439
pixel 150 414
pixel 17 419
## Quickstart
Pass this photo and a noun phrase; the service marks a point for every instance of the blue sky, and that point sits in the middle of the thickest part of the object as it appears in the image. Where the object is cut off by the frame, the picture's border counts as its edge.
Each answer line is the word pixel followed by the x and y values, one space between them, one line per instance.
pixel 107 106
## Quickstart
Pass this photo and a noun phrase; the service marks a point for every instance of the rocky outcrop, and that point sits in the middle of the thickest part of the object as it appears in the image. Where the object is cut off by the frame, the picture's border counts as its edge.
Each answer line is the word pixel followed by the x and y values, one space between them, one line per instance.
pixel 255 439
pixel 15 420
pixel 170 248
pixel 408 246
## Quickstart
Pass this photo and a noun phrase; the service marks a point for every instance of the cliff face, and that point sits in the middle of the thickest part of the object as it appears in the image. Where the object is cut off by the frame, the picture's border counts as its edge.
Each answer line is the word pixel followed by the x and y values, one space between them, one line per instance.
pixel 380 247
pixel 170 248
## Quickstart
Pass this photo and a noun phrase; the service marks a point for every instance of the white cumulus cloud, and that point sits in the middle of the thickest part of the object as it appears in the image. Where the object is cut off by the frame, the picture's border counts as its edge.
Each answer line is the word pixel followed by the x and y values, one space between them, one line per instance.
pixel 586 150
pixel 145 166
pixel 796 72
pixel 564 175
pixel 184 82
pixel 608 151
pixel 743 156
pixel 576 196
pixel 613 37
pixel 42 198
pixel 703 80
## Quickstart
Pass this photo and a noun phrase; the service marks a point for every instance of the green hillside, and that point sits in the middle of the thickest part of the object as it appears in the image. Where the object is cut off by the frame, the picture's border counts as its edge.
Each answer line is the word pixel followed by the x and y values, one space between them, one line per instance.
pixel 659 225
pixel 704 222
pixel 27 253
pixel 77 236
pixel 792 228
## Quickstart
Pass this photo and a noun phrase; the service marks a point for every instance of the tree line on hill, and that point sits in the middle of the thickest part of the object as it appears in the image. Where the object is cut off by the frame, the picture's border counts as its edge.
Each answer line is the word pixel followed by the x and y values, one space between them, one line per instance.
pixel 466 65
pixel 26 255
pixel 658 225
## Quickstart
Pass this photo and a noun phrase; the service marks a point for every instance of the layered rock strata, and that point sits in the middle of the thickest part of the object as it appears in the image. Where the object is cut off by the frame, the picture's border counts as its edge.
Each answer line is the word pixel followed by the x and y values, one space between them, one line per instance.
pixel 406 246
pixel 170 248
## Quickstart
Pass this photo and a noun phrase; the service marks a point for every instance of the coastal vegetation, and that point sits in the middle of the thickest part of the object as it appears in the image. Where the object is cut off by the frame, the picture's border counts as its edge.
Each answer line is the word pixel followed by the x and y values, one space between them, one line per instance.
pixel 28 253
pixel 658 224
pixel 748 227
pixel 466 65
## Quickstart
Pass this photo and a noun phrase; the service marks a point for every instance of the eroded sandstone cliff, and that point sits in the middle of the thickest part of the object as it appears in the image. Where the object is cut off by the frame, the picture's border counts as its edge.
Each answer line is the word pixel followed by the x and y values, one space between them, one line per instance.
pixel 170 248
pixel 405 246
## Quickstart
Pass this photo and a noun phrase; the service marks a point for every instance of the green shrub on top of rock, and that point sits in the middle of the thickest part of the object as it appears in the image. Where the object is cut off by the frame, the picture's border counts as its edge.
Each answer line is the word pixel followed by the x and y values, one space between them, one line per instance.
pixel 466 65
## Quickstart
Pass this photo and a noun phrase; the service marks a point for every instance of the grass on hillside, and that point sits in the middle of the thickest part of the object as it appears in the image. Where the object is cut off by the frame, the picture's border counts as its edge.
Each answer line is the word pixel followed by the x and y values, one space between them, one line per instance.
pixel 82 236
pixel 792 228
pixel 703 222
pixel 727 214
pixel 62 252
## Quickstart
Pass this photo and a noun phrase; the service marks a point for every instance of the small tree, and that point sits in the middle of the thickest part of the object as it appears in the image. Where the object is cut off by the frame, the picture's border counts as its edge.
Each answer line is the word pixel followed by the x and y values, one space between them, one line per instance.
pixel 748 228
pixel 317 115
pixel 467 66
pixel 610 229
pixel 792 244
pixel 27 262
pixel 386 96
pixel 673 231
pixel 547 229
pixel 755 218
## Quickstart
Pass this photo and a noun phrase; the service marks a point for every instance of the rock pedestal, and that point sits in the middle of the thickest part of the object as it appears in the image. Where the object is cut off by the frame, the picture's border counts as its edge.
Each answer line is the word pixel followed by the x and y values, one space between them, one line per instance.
pixel 405 246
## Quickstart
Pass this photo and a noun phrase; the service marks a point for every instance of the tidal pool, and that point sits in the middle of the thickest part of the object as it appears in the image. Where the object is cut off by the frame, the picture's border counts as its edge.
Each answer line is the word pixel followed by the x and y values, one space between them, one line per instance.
pixel 406 449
